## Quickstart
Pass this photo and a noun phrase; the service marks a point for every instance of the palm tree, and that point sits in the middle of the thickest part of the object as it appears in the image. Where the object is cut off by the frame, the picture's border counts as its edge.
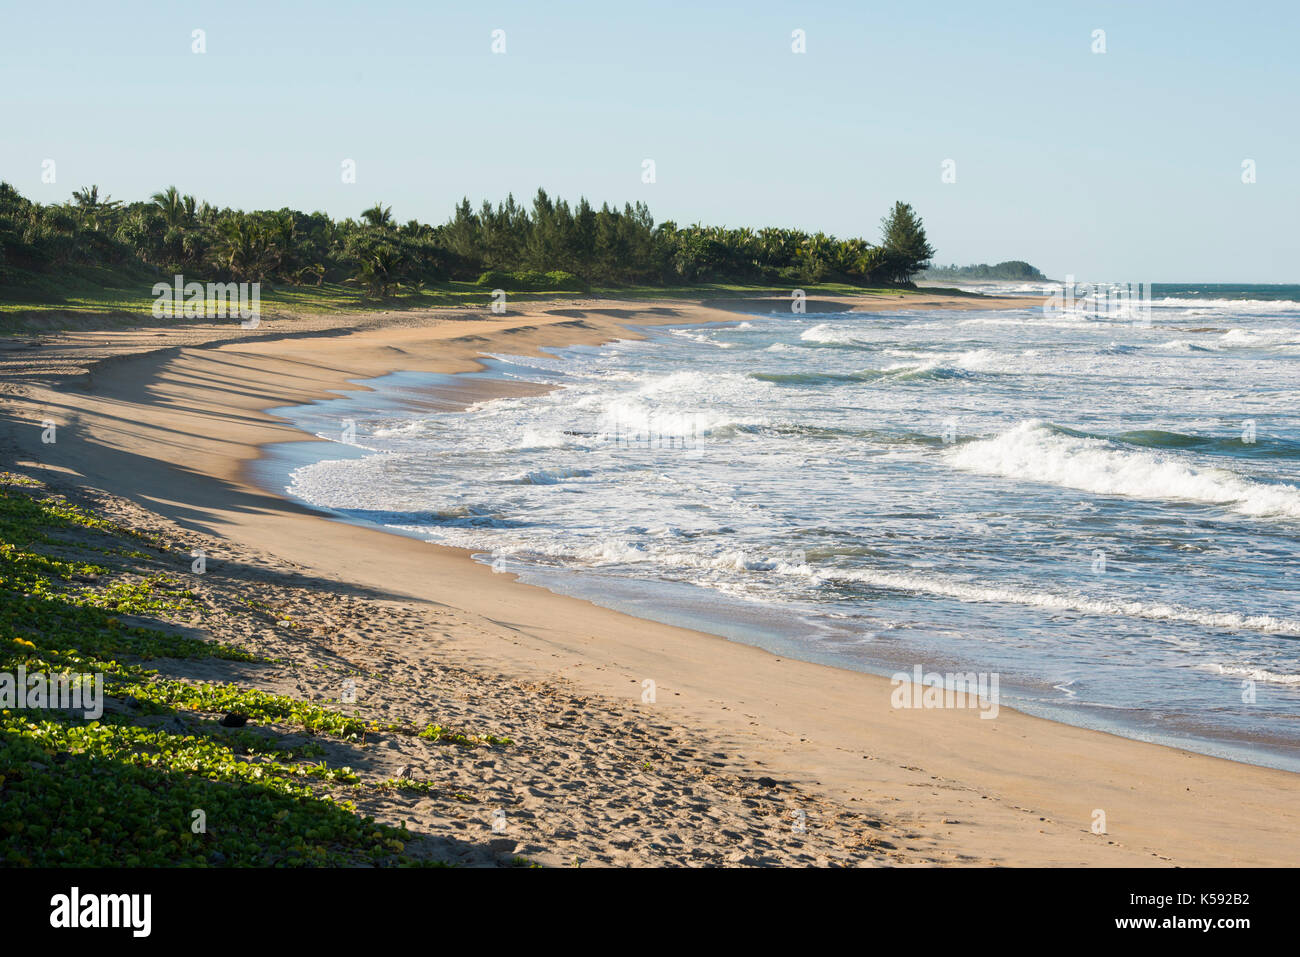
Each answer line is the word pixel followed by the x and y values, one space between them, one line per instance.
pixel 315 271
pixel 378 215
pixel 282 234
pixel 378 271
pixel 245 246
pixel 172 205
pixel 90 207
pixel 87 197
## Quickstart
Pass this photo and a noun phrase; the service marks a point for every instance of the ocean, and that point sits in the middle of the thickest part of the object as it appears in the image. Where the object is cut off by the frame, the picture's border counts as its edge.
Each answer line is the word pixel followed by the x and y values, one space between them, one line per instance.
pixel 1103 510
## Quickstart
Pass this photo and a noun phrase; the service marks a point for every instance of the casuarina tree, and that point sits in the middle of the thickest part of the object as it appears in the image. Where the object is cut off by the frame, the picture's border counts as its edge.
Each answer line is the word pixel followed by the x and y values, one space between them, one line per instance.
pixel 903 237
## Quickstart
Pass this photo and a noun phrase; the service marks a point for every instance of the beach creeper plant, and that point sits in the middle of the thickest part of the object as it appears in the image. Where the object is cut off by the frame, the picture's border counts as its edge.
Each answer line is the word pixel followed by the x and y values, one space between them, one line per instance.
pixel 125 789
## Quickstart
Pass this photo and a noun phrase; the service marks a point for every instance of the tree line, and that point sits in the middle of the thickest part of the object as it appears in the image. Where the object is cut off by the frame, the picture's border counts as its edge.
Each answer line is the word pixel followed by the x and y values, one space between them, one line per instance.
pixel 1012 269
pixel 551 244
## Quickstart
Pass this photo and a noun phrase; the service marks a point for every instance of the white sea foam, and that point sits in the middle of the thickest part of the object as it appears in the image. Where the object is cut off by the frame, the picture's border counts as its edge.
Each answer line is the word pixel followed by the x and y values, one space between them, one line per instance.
pixel 1256 338
pixel 541 438
pixel 826 333
pixel 344 483
pixel 550 476
pixel 629 417
pixel 1254 307
pixel 980 360
pixel 1035 451
pixel 701 338
pixel 1053 320
pixel 402 430
pixel 612 552
pixel 741 560
pixel 683 404
pixel 1258 674
pixel 1154 611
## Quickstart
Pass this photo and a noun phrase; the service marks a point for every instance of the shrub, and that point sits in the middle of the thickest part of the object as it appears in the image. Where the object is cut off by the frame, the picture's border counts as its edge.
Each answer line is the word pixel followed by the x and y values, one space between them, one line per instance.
pixel 529 280
pixel 559 279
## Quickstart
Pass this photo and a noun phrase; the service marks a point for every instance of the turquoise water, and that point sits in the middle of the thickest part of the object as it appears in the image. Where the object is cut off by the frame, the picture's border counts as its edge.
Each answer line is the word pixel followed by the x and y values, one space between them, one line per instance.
pixel 1105 513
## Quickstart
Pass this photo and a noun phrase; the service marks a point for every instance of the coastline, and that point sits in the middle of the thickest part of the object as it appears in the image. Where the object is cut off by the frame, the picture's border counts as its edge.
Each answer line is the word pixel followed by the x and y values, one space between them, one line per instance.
pixel 176 429
pixel 679 604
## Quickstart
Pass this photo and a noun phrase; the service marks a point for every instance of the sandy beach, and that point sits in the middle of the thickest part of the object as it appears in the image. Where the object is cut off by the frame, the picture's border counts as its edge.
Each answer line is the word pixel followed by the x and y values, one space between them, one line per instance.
pixel 742 758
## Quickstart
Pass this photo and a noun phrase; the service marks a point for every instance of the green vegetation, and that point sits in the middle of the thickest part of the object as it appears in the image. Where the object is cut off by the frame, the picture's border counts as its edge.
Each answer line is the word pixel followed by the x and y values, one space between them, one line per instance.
pixel 905 249
pixel 435 732
pixel 123 789
pixel 530 279
pixel 1013 270
pixel 100 255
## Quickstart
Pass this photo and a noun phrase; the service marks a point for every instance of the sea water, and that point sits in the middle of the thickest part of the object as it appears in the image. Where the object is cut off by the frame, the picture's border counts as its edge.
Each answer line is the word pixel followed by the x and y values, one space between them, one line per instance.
pixel 1103 512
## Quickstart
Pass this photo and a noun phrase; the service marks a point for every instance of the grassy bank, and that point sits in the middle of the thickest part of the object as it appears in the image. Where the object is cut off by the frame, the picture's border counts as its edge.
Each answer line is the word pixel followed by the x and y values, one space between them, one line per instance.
pixel 134 301
pixel 76 303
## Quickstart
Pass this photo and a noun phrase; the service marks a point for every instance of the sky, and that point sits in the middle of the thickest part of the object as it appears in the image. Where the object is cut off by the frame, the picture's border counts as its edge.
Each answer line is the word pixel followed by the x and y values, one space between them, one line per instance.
pixel 1124 165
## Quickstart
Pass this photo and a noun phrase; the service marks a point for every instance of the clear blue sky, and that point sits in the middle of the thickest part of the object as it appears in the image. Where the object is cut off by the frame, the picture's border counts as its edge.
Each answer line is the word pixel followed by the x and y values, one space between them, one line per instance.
pixel 1123 166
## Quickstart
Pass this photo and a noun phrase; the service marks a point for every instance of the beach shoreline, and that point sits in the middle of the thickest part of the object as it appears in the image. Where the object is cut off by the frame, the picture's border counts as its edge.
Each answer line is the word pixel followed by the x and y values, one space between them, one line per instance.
pixel 175 426
pixel 694 607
